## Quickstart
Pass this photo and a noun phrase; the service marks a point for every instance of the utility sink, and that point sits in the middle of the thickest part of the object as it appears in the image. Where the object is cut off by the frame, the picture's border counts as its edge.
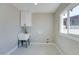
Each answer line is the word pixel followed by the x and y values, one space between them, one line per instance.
pixel 23 36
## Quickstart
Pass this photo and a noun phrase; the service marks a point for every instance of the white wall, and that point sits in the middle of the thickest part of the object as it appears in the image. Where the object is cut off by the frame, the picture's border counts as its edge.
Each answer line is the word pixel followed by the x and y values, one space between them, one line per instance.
pixel 42 27
pixel 65 42
pixel 9 27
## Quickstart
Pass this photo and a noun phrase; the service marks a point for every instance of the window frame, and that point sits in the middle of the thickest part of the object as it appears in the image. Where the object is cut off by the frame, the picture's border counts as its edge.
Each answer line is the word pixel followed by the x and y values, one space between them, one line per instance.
pixel 70 7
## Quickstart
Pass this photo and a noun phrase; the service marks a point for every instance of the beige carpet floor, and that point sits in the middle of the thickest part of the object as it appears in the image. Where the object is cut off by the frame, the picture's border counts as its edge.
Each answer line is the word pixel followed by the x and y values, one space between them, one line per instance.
pixel 37 49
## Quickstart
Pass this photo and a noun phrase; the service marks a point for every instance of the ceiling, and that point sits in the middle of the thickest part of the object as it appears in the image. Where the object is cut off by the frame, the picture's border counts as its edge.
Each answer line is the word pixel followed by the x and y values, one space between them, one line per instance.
pixel 39 8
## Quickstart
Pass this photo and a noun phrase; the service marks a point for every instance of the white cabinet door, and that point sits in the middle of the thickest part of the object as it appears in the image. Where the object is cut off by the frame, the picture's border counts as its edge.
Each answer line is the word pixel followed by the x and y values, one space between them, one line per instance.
pixel 26 18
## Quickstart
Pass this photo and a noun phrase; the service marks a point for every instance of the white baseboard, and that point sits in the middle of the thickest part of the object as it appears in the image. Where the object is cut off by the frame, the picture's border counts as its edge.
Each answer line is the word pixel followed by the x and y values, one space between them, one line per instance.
pixel 44 43
pixel 8 53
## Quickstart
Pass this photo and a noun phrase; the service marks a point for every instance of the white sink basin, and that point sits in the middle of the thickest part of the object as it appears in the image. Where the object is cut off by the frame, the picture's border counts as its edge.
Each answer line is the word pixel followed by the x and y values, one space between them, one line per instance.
pixel 23 36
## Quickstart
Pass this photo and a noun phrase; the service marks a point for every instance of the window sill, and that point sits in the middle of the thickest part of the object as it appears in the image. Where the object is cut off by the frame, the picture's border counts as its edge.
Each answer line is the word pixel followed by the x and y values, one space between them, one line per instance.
pixel 70 36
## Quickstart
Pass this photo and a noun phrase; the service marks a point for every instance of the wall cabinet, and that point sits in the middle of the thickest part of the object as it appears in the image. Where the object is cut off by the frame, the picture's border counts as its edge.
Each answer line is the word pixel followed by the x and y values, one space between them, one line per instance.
pixel 26 18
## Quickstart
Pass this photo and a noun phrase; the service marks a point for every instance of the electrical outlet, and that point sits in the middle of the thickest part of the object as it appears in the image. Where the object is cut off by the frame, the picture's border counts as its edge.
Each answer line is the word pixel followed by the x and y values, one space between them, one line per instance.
pixel 47 40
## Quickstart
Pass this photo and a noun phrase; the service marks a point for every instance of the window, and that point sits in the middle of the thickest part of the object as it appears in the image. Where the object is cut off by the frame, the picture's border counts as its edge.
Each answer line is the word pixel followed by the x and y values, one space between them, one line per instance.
pixel 70 21
pixel 74 20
